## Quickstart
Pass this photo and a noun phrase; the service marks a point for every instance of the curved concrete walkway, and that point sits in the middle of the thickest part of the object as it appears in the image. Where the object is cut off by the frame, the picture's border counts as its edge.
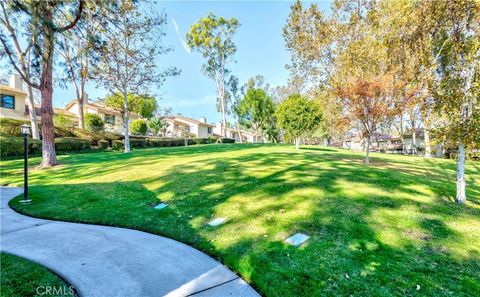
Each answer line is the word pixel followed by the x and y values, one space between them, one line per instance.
pixel 110 261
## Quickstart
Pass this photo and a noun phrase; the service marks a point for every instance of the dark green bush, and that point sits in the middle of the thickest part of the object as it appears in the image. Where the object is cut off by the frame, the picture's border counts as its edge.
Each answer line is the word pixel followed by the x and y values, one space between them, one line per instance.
pixel 94 137
pixel 117 144
pixel 10 127
pixel 93 122
pixel 67 144
pixel 35 145
pixel 13 146
pixel 156 142
pixel 103 144
pixel 227 140
pixel 138 143
pixel 139 126
pixel 180 141
pixel 200 140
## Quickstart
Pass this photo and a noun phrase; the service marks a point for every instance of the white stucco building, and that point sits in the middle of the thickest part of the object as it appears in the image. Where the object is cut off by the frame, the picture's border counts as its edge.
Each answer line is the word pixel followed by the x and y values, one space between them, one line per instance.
pixel 180 126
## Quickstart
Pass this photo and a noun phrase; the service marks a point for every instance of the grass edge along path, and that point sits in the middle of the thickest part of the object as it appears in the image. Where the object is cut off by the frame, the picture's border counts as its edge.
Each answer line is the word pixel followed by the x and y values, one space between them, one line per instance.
pixel 21 277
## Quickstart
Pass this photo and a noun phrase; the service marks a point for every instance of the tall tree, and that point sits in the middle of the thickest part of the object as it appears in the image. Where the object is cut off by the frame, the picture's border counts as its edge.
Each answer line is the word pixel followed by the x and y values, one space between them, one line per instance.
pixel 256 110
pixel 458 77
pixel 128 61
pixel 212 36
pixel 368 102
pixel 298 116
pixel 143 105
pixel 77 48
pixel 44 20
pixel 23 56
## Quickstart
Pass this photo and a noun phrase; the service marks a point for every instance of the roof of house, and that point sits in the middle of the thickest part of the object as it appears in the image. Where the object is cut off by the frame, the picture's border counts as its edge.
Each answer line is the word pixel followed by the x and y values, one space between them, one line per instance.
pixel 99 107
pixel 190 120
pixel 56 110
pixel 13 90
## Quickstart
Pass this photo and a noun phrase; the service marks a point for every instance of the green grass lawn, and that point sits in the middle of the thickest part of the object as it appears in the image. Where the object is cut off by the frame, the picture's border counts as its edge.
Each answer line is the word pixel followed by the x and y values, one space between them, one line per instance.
pixel 389 229
pixel 22 278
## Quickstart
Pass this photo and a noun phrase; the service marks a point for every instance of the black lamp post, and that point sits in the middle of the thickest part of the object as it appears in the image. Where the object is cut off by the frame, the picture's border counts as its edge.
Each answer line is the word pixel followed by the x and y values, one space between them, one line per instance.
pixel 25 132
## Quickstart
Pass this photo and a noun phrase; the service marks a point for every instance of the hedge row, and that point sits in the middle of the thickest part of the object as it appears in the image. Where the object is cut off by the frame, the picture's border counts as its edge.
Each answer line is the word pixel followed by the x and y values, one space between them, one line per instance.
pixel 13 146
pixel 68 144
pixel 11 127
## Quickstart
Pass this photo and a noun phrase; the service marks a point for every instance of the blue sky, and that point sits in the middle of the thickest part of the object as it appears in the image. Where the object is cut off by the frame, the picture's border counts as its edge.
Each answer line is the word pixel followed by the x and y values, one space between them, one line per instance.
pixel 261 50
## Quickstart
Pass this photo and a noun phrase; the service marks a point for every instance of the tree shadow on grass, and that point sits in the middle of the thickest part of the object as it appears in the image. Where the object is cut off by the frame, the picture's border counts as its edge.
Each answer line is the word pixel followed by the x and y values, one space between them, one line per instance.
pixel 375 230
pixel 340 224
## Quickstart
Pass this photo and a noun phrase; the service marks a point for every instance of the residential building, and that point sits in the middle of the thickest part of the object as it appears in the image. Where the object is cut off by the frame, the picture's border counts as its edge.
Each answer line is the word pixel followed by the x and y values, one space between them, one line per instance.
pixel 247 136
pixel 113 119
pixel 180 126
pixel 13 100
pixel 386 143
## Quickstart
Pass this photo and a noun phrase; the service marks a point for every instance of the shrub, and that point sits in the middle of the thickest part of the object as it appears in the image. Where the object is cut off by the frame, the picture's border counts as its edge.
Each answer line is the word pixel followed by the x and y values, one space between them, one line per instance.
pixel 200 140
pixel 212 139
pixel 103 144
pixel 156 142
pixel 227 140
pixel 13 146
pixel 93 122
pixel 61 120
pixel 11 127
pixel 117 144
pixel 180 142
pixel 35 145
pixel 95 137
pixel 135 142
pixel 139 126
pixel 71 144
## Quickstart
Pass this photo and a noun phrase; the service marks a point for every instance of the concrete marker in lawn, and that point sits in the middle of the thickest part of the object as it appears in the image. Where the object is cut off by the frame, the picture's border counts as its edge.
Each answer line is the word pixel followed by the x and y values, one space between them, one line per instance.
pixel 161 205
pixel 216 222
pixel 297 239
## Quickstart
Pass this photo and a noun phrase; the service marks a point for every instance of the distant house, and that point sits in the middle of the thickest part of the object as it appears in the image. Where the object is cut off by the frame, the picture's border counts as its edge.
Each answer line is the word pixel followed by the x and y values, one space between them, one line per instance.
pixel 13 100
pixel 247 136
pixel 180 126
pixel 113 119
pixel 386 143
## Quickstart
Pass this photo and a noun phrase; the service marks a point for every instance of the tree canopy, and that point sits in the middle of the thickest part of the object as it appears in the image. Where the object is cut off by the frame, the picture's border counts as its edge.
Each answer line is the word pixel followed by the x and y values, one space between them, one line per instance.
pixel 297 116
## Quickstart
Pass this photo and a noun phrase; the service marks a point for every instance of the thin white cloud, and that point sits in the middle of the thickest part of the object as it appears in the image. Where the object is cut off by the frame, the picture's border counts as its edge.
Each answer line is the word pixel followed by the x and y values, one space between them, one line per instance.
pixel 185 45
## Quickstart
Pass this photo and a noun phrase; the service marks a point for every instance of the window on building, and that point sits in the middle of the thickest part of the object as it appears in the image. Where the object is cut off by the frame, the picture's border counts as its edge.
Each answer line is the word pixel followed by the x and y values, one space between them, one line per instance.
pixel 209 130
pixel 8 101
pixel 110 119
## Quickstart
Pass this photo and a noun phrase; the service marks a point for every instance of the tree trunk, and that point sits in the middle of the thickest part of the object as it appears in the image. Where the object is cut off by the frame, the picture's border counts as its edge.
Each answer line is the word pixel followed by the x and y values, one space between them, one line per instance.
pixel 33 114
pixel 367 156
pixel 81 117
pixel 461 196
pixel 49 156
pixel 428 146
pixel 414 142
pixel 239 132
pixel 402 140
pixel 126 124
pixel 297 143
pixel 224 119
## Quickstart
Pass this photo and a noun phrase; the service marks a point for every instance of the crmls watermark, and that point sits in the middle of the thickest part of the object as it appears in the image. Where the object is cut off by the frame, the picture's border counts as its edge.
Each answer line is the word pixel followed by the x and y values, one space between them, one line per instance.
pixel 55 290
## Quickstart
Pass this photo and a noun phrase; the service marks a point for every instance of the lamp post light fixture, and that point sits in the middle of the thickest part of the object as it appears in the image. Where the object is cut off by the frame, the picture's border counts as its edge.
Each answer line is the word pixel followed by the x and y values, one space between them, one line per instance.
pixel 25 129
